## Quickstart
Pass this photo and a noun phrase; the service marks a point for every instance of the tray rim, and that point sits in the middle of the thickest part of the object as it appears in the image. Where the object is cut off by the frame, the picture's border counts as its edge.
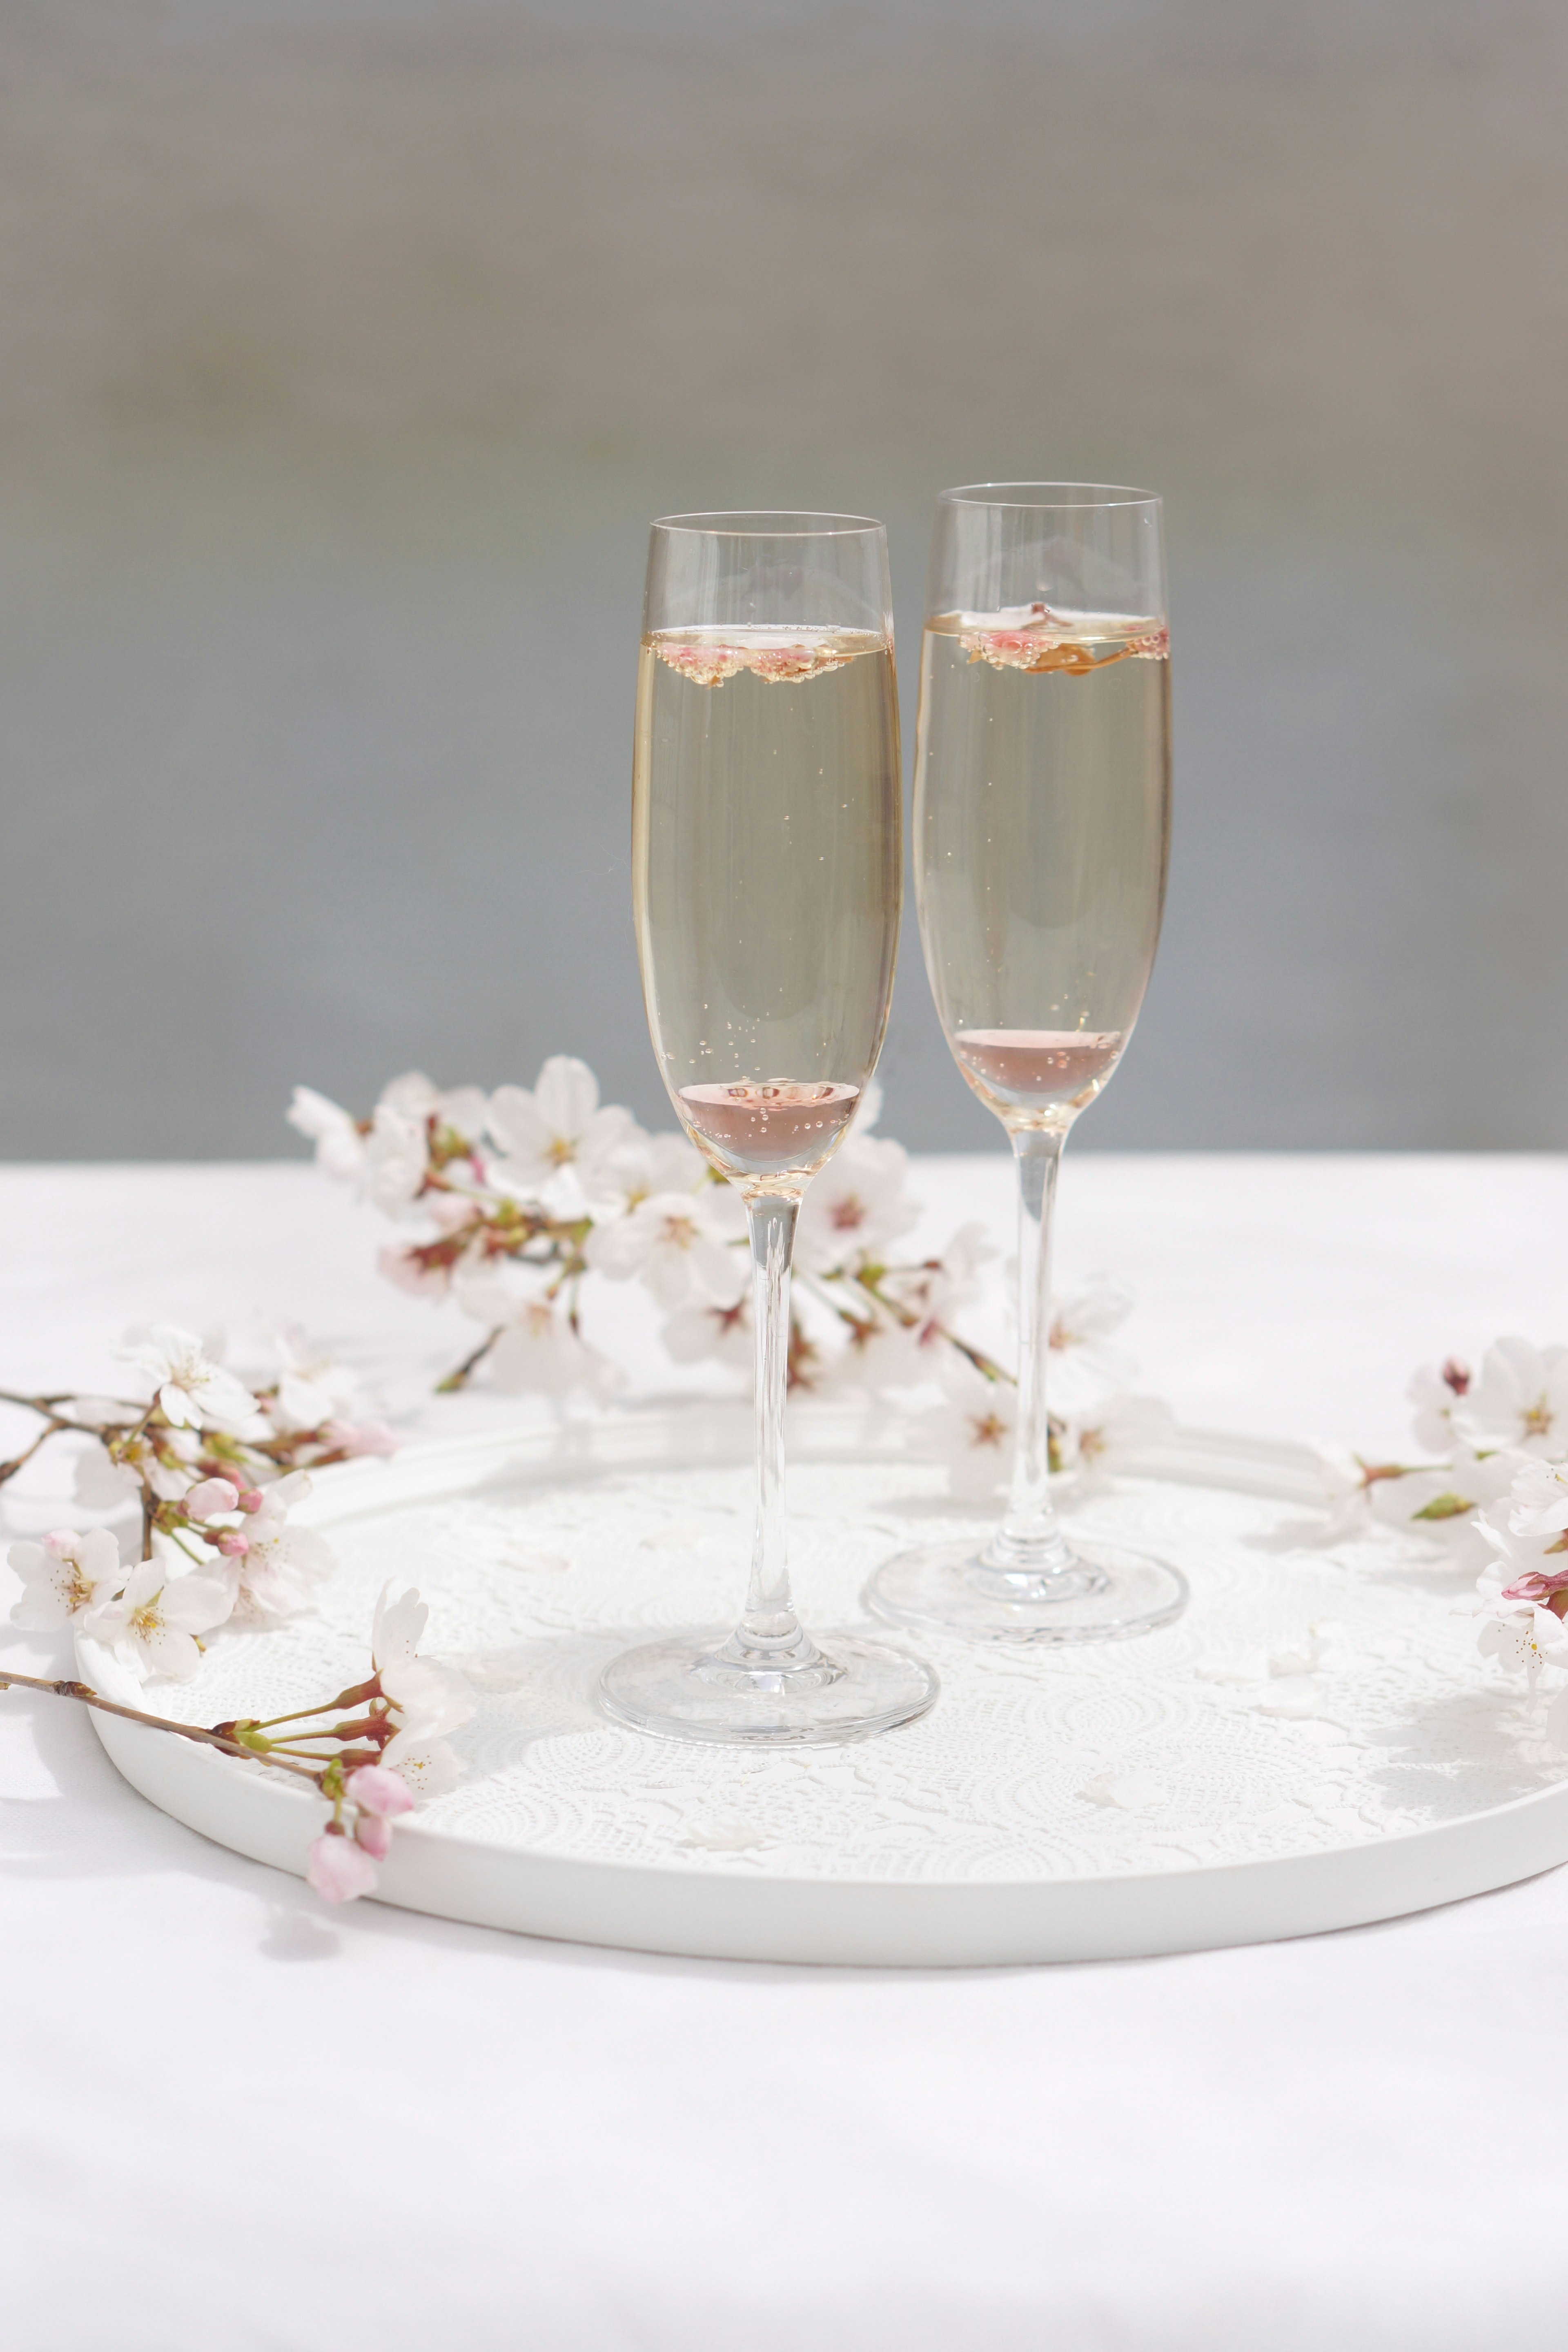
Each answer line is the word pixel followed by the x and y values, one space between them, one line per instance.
pixel 704 1911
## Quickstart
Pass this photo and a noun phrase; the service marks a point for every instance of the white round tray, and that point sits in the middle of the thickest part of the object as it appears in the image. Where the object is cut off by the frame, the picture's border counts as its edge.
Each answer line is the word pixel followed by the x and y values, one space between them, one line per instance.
pixel 1316 1743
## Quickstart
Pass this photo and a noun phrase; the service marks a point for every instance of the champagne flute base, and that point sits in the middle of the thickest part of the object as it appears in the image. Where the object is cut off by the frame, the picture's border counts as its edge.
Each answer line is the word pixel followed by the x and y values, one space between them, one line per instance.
pixel 688 1689
pixel 1102 1592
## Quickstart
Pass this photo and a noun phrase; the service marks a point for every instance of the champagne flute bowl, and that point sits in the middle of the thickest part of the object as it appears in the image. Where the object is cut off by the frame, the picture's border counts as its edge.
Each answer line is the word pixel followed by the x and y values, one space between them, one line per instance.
pixel 766 881
pixel 1042 831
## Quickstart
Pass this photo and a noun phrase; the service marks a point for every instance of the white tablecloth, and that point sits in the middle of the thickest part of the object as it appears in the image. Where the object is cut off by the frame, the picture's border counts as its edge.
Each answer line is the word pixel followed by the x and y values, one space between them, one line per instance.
pixel 231 2115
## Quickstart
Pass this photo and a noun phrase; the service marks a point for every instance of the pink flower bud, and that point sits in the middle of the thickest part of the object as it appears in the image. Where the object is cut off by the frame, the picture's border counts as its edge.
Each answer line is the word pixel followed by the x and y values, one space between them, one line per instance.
pixel 1540 1585
pixel 211 1496
pixel 374 1835
pixel 232 1544
pixel 375 1789
pixel 250 1498
pixel 338 1869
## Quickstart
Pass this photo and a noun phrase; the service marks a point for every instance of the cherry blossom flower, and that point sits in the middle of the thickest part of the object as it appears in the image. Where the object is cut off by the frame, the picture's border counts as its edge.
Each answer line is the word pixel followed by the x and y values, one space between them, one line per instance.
pixel 1523 1590
pixel 427 1764
pixel 1442 1501
pixel 1529 1637
pixel 340 1147
pixel 457 1111
pixel 1345 1493
pixel 193 1392
pixel 102 1484
pixel 575 1188
pixel 64 1576
pixel 972 1433
pixel 312 1387
pixel 151 1628
pixel 396 1160
pixel 673 1243
pixel 1538 1500
pixel 879 1353
pixel 1519 1398
pixel 428 1700
pixel 398 1625
pixel 538 1350
pixel 1524 1556
pixel 406 1268
pixel 1435 1392
pixel 338 1867
pixel 557 1126
pixel 1084 1369
pixel 425 1268
pixel 539 1353
pixel 1041 639
pixel 1129 1426
pixel 431 1698
pixel 631 1171
pixel 272 1569
pixel 855 1207
pixel 703 1328
pixel 165 1458
pixel 937 1291
pixel 708 661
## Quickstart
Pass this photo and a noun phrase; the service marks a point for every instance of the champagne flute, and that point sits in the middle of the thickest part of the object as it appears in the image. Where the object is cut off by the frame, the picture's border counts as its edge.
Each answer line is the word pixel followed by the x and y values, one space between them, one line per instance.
pixel 1042 828
pixel 766 883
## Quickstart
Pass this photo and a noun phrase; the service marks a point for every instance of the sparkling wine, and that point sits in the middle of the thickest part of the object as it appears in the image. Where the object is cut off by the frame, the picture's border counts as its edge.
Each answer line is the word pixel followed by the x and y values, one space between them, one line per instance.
pixel 1042 786
pixel 766 879
pixel 765 1131
pixel 1037 1065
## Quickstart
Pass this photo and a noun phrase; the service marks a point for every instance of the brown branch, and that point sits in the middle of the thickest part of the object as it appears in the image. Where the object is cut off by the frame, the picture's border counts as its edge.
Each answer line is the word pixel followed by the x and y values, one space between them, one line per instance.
pixel 459 1379
pixel 19 1461
pixel 88 1696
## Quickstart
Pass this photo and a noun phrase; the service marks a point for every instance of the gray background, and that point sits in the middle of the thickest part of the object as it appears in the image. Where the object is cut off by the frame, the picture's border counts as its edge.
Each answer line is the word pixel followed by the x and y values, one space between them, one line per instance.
pixel 349 347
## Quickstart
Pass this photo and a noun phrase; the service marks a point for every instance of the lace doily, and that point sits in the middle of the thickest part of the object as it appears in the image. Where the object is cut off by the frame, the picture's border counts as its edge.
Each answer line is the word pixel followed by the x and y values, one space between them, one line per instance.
pixel 1313 1696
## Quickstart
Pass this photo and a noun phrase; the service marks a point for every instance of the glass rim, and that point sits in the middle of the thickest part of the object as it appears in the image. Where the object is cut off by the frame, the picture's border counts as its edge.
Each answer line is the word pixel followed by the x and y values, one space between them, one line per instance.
pixel 1071 496
pixel 754 523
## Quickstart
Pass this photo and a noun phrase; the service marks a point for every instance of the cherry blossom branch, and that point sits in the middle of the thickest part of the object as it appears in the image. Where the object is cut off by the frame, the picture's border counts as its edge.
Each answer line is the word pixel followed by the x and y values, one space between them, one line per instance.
pixel 873 1280
pixel 88 1696
pixel 20 1460
pixel 284 1450
pixel 515 1196
pixel 363 1767
pixel 459 1375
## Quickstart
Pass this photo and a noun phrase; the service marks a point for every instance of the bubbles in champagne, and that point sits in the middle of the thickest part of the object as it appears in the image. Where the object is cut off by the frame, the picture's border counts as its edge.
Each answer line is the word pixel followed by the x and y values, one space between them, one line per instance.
pixel 1029 1066
pixel 1042 825
pixel 779 657
pixel 767 863
pixel 770 1130
pixel 1035 638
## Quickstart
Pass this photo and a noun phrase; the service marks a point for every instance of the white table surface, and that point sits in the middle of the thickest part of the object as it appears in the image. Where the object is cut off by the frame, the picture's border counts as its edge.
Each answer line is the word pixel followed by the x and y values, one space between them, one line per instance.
pixel 231 2115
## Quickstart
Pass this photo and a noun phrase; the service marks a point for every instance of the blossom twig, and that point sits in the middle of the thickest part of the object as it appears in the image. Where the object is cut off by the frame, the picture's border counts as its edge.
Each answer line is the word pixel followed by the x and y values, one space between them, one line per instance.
pixel 518 1195
pixel 370 1768
pixel 66 1689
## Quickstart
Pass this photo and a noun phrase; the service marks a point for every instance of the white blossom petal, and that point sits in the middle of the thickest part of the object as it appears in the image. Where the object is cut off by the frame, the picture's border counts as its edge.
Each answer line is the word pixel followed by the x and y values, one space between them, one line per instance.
pixel 567 1095
pixel 340 1147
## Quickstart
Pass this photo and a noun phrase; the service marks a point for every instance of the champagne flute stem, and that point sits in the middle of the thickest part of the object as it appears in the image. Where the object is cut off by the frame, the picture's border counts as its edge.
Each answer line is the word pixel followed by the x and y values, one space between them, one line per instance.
pixel 770 1624
pixel 1031 1537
